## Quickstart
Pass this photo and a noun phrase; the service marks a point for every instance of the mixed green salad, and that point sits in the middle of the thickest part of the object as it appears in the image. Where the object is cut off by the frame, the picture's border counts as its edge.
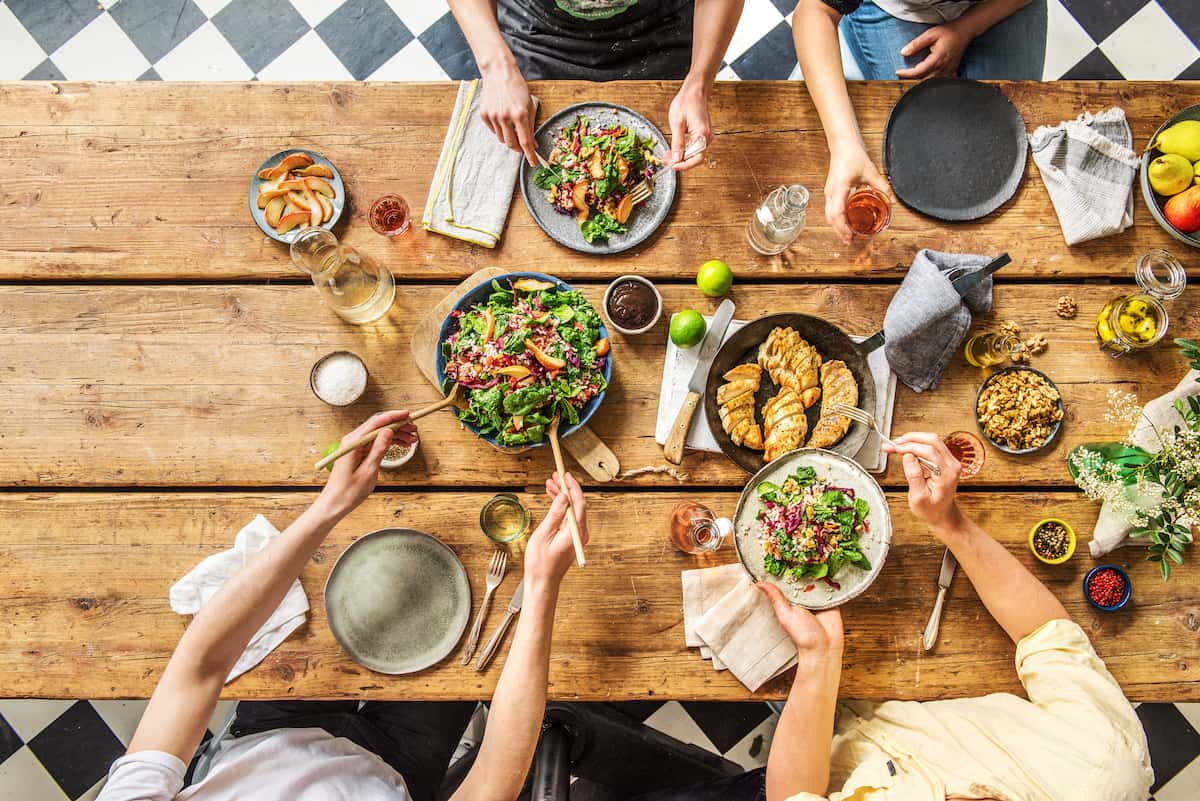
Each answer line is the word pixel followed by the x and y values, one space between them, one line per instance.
pixel 811 529
pixel 530 352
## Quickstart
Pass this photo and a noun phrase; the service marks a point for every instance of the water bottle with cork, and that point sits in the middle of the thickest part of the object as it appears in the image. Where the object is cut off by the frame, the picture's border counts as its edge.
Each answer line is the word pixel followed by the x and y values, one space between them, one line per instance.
pixel 778 220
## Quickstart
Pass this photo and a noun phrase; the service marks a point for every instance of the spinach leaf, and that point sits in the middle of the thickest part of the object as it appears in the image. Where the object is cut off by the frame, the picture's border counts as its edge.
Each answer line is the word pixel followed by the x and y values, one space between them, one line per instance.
pixel 547 178
pixel 861 508
pixel 526 399
pixel 599 226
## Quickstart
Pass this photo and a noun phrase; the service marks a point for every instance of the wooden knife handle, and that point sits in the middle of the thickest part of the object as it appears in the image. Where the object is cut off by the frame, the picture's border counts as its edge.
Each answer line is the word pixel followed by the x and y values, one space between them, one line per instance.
pixel 673 450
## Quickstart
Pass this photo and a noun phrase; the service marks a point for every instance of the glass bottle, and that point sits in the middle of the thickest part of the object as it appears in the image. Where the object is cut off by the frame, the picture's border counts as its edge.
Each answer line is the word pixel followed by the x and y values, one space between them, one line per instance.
pixel 1139 320
pixel 989 349
pixel 694 528
pixel 779 220
pixel 350 283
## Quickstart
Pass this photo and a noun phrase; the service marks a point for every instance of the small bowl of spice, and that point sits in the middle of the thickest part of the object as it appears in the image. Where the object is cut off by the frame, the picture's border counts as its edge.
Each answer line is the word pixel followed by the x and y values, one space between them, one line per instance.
pixel 632 304
pixel 338 378
pixel 1107 587
pixel 398 454
pixel 1052 541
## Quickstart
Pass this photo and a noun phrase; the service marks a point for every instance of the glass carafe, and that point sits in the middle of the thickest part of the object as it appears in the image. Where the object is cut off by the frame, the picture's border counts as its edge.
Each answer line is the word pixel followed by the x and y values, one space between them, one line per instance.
pixel 778 220
pixel 350 283
pixel 1137 321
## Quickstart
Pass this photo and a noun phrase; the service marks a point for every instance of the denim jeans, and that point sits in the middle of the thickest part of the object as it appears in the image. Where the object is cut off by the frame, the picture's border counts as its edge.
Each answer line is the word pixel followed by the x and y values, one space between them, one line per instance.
pixel 1013 49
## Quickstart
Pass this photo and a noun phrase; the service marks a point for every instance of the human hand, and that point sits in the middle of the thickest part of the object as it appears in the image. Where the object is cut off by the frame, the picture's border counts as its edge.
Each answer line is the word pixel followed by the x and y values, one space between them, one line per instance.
pixel 818 636
pixel 506 107
pixel 689 120
pixel 848 169
pixel 930 497
pixel 354 475
pixel 550 551
pixel 946 44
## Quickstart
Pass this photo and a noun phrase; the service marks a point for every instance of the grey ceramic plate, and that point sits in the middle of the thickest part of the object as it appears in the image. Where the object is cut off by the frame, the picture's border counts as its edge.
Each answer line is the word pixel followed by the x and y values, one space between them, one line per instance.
pixel 1155 201
pixel 842 472
pixel 339 189
pixel 646 217
pixel 398 600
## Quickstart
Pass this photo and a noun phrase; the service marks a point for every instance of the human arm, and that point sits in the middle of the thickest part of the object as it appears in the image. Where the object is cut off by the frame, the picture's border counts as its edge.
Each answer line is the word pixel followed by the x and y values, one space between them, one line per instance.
pixel 801 747
pixel 713 24
pixel 1013 596
pixel 947 42
pixel 815 31
pixel 515 718
pixel 181 705
pixel 506 106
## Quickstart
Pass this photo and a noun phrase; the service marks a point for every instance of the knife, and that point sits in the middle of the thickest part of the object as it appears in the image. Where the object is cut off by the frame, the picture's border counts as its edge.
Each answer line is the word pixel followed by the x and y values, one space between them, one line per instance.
pixel 514 606
pixel 673 449
pixel 963 285
pixel 949 563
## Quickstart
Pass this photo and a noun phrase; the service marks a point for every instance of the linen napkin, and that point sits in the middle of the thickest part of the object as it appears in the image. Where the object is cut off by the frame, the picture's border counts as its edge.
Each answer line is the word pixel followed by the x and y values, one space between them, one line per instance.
pixel 1088 167
pixel 701 591
pixel 927 321
pixel 1111 527
pixel 193 591
pixel 473 184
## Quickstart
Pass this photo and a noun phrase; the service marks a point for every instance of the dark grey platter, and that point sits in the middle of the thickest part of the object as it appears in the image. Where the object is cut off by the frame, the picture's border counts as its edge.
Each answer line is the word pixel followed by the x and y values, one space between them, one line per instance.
pixel 1155 201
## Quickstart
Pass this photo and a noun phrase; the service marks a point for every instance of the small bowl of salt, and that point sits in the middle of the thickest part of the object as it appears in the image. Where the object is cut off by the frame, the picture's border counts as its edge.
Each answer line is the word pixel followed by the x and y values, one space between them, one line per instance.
pixel 338 378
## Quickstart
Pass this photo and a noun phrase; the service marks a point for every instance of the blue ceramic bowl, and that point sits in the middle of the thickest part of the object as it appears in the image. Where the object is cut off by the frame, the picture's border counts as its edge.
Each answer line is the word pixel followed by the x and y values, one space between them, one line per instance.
pixel 1124 598
pixel 479 295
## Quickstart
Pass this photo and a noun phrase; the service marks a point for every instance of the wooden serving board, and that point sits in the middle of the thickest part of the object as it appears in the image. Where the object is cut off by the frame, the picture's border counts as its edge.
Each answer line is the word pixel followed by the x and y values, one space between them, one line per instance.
pixel 587 449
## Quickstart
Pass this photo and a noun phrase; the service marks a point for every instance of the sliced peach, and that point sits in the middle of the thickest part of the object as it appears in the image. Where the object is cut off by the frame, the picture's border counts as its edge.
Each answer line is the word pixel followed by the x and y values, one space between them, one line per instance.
pixel 514 371
pixel 273 183
pixel 326 208
pixel 532 284
pixel 579 194
pixel 274 210
pixel 601 346
pixel 489 318
pixel 596 166
pixel 545 359
pixel 624 209
pixel 318 170
pixel 581 218
pixel 299 200
pixel 289 163
pixel 290 221
pixel 266 197
pixel 293 185
pixel 622 168
pixel 316 212
pixel 320 185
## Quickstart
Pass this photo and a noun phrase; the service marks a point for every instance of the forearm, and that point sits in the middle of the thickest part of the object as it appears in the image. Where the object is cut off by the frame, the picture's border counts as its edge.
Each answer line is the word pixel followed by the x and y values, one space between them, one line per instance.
pixel 713 24
pixel 800 749
pixel 477 19
pixel 1014 597
pixel 515 719
pixel 815 30
pixel 982 16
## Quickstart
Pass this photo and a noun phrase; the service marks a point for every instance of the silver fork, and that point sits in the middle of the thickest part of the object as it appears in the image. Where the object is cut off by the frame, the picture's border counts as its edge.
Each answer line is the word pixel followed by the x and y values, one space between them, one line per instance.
pixel 868 419
pixel 495 574
pixel 642 191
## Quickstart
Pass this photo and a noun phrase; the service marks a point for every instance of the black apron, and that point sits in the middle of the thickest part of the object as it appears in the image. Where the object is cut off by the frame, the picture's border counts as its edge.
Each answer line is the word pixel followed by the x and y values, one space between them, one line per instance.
pixel 599 40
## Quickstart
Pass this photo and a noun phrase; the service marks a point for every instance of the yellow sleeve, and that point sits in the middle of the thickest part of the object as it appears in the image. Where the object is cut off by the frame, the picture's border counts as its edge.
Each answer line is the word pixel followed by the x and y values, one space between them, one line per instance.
pixel 808 797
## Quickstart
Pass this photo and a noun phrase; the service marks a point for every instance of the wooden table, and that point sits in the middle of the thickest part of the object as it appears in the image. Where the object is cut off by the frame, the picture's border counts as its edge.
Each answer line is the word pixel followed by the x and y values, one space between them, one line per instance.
pixel 153 386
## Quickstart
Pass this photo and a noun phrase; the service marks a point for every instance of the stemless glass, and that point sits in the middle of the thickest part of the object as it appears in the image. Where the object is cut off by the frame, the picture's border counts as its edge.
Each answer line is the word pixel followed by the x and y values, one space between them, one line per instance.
pixel 389 215
pixel 350 283
pixel 868 211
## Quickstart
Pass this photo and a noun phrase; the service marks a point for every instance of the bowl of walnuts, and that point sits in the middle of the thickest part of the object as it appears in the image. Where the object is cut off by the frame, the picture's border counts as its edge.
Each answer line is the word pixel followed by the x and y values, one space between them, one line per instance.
pixel 1019 410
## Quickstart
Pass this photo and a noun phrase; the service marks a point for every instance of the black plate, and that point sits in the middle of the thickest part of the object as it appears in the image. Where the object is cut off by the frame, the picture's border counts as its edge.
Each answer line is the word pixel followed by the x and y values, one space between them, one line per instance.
pixel 954 148
pixel 1155 201
pixel 742 348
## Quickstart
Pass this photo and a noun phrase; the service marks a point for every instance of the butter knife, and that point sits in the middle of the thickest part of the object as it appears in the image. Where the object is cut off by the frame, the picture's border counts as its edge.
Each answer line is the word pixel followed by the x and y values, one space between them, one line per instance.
pixel 673 449
pixel 493 644
pixel 945 577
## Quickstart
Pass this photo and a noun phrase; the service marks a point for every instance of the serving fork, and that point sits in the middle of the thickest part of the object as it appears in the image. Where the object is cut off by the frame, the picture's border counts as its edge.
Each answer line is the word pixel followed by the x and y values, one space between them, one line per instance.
pixel 868 419
pixel 496 570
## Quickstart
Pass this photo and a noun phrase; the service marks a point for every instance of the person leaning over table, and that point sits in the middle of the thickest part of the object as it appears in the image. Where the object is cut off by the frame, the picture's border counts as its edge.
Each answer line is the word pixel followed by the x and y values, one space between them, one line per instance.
pixel 313 751
pixel 911 39
pixel 596 40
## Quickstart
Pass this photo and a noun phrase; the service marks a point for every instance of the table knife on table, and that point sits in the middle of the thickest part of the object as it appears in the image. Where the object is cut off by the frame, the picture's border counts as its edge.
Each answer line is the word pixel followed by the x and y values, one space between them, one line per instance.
pixel 673 449
pixel 949 563
pixel 493 644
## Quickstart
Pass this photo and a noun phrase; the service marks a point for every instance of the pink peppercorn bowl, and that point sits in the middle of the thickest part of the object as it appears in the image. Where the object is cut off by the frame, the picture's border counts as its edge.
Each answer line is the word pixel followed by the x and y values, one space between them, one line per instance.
pixel 1125 596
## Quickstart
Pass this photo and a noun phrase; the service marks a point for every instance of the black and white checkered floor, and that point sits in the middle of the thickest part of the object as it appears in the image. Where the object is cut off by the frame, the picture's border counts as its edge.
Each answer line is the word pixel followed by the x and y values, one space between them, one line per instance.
pixel 51 750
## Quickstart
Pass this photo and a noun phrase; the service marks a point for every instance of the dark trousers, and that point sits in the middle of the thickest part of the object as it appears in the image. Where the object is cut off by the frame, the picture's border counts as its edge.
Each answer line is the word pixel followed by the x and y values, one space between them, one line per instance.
pixel 749 786
pixel 417 738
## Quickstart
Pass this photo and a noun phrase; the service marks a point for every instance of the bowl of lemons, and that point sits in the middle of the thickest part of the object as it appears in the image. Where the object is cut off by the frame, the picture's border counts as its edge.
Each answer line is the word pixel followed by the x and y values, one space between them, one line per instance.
pixel 1170 176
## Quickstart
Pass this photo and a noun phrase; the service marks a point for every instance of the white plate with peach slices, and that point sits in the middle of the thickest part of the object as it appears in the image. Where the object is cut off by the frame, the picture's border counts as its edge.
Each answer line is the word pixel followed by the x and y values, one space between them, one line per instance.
pixel 294 189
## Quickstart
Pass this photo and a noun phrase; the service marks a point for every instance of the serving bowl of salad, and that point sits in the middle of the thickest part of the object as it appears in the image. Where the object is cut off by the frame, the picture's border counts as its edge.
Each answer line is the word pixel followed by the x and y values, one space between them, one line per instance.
pixel 815 524
pixel 524 347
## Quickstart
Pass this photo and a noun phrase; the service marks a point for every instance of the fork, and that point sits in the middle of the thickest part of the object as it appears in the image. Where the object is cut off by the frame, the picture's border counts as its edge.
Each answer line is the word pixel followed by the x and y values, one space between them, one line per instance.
pixel 868 419
pixel 642 191
pixel 495 574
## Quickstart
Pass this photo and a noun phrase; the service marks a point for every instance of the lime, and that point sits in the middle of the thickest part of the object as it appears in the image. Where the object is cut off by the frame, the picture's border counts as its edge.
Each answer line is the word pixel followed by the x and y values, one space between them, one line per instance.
pixel 714 278
pixel 330 448
pixel 687 328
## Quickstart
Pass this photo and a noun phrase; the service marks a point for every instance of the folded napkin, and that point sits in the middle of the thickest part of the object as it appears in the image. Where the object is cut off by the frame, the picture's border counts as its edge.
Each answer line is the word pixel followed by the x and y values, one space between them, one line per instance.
pixel 927 321
pixel 1088 169
pixel 193 591
pixel 738 625
pixel 677 371
pixel 476 172
pixel 1112 527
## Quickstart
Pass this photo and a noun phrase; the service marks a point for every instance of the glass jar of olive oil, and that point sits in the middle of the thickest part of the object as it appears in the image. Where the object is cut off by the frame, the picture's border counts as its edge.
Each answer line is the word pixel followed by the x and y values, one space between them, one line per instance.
pixel 1137 321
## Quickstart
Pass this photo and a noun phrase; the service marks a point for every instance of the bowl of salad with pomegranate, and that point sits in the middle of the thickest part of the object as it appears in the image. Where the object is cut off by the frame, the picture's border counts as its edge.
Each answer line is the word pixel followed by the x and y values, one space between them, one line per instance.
pixel 816 524
pixel 524 347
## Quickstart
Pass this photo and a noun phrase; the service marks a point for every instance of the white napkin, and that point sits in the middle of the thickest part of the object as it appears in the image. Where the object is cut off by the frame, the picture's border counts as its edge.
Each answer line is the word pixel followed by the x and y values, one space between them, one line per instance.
pixel 677 370
pixel 701 591
pixel 193 591
pixel 1112 527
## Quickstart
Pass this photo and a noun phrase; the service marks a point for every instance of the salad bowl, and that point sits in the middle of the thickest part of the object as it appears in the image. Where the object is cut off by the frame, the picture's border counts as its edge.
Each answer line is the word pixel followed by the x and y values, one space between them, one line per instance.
pixel 450 325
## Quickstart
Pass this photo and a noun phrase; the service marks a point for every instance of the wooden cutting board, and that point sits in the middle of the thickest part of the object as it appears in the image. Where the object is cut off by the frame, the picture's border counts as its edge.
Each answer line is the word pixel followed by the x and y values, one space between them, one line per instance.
pixel 587 449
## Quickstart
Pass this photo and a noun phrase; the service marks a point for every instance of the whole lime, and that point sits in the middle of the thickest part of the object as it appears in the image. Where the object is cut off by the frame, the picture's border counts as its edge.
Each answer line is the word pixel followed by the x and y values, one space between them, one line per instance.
pixel 687 328
pixel 714 278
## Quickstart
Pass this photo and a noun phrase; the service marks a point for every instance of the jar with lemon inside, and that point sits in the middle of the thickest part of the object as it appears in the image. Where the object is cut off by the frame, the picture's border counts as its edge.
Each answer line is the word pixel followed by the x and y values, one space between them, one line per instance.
pixel 1138 320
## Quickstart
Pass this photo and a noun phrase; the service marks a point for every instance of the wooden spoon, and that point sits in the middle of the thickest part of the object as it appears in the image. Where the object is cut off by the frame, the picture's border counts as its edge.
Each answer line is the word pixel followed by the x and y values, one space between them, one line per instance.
pixel 370 436
pixel 571 519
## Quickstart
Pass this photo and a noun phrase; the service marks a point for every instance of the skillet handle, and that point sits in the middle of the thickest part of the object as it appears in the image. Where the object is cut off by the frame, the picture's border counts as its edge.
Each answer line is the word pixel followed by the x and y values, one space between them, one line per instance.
pixel 872 343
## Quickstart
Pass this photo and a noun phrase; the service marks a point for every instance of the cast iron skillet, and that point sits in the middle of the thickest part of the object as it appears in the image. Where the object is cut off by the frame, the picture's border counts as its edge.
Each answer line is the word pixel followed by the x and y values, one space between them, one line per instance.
pixel 742 348
pixel 954 148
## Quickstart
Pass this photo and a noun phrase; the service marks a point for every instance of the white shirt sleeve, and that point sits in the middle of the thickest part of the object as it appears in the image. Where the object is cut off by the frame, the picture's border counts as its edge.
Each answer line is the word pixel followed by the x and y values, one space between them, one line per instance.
pixel 144 776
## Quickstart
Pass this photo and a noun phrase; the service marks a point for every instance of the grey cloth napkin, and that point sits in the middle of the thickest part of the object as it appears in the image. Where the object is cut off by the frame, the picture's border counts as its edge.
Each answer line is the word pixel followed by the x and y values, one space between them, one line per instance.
pixel 927 321
pixel 1088 167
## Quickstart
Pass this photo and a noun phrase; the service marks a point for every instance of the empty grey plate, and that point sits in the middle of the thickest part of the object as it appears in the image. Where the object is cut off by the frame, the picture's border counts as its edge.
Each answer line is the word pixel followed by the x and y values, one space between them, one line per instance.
pixel 645 218
pixel 398 600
